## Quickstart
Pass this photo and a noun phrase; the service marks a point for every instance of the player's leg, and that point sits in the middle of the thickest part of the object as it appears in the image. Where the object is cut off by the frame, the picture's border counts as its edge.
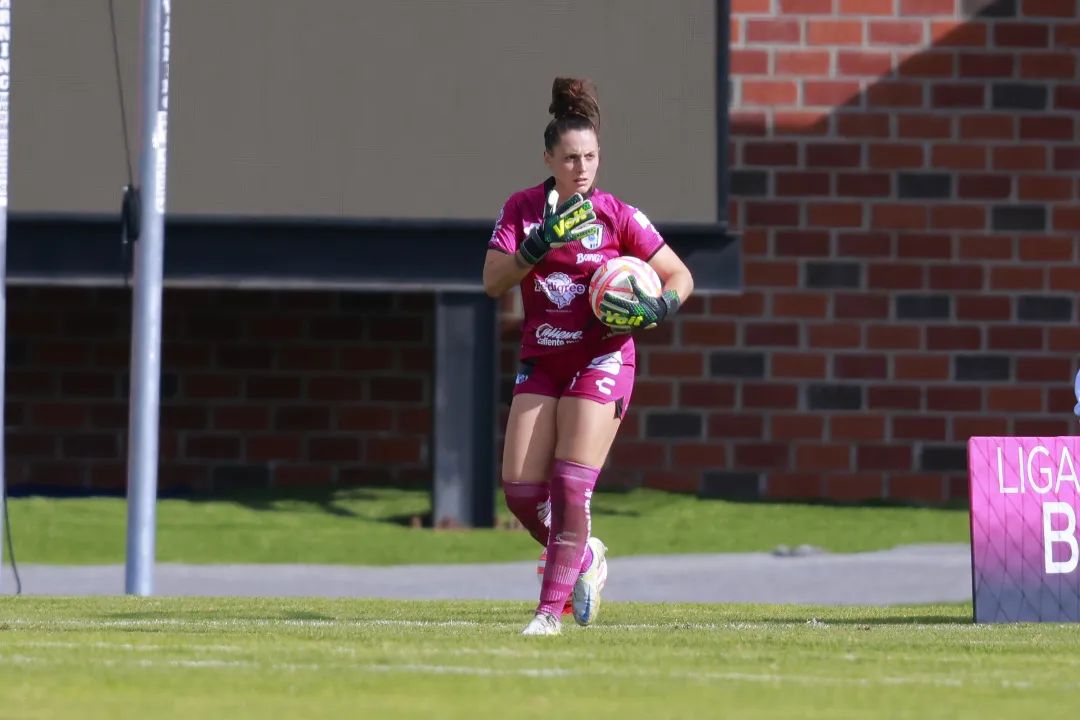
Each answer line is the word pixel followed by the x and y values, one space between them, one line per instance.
pixel 588 419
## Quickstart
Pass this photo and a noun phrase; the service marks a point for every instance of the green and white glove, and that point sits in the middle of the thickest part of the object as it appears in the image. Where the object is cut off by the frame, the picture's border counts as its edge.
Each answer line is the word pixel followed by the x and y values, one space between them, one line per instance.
pixel 644 312
pixel 573 220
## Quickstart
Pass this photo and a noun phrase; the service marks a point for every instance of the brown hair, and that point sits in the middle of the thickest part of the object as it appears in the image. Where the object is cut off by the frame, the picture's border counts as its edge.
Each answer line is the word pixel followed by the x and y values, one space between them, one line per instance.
pixel 574 107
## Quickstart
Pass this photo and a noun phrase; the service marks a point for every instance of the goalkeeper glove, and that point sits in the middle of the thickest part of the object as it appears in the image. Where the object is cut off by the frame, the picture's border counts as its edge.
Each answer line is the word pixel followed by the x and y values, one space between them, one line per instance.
pixel 645 311
pixel 573 220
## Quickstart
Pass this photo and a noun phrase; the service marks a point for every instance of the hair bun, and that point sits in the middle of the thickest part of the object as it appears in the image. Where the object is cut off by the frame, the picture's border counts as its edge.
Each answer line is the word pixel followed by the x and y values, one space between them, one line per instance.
pixel 573 96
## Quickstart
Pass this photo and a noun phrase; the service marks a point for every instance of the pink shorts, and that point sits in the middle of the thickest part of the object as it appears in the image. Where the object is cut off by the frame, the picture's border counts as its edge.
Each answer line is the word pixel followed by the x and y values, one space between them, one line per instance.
pixel 603 379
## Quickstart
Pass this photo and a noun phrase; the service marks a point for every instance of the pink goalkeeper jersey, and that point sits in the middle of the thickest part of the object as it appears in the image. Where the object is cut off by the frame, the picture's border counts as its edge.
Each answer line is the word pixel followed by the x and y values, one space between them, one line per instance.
pixel 555 293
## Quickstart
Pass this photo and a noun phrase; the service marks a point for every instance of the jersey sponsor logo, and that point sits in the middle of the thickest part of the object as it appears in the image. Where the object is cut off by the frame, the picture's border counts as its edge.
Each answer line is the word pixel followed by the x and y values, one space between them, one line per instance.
pixel 589 258
pixel 609 363
pixel 559 288
pixel 551 336
pixel 594 241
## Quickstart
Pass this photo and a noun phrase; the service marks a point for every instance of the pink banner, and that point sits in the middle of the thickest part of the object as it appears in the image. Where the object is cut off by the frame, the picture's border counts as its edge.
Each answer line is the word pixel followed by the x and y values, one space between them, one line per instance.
pixel 1025 499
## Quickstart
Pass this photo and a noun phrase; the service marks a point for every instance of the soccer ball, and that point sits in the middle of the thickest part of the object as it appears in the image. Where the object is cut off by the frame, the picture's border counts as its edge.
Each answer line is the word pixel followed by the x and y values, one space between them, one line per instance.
pixel 614 277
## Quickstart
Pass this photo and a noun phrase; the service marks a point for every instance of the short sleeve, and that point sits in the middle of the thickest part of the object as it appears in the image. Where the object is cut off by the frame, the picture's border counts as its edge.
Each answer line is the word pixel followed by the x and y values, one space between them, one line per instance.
pixel 640 238
pixel 508 228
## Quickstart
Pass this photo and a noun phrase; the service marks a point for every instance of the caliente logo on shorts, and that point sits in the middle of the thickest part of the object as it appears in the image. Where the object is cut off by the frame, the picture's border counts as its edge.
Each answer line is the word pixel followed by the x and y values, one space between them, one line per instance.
pixel 559 288
pixel 551 336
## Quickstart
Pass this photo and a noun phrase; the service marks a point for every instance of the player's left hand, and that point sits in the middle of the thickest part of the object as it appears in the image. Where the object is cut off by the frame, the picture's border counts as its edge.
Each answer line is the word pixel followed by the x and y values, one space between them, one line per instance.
pixel 645 311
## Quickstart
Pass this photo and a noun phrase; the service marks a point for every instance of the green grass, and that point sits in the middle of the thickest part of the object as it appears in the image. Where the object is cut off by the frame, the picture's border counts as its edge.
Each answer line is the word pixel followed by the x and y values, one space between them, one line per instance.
pixel 243 658
pixel 371 527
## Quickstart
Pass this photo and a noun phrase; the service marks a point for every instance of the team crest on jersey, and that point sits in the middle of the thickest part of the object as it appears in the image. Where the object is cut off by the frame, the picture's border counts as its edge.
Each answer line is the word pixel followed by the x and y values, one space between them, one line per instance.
pixel 559 289
pixel 595 240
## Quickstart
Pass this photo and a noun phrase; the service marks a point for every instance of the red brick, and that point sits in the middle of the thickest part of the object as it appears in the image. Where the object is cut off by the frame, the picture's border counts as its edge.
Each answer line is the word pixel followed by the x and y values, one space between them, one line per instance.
pixel 866 7
pixel 835 215
pixel 899 216
pixel 802 183
pixel 954 398
pixel 747 123
pixel 773 31
pixel 958 157
pixel 919 427
pixel 1048 8
pixel 860 306
pixel 303 475
pixel 800 304
pixel 762 455
pixel 58 415
pixel 397 390
pixel 837 335
pixel 676 364
pixel 366 358
pixel 1014 399
pixel 802 63
pixel 895 276
pixel 956 33
pixel 1015 337
pixel 1042 369
pixel 857 427
pixel 922 8
pixel 921 367
pixel 823 457
pixel 797 427
pixel 776 273
pixel 1048 66
pixel 1045 187
pixel 679 482
pixel 883 457
pixel 771 334
pixel 1067 35
pixel 862 125
pixel 896 156
pixel 987 65
pixel 984 186
pixel 958 217
pixel 744 304
pixel 1042 428
pixel 371 418
pixel 706 394
pixel 1064 278
pixel 801 123
pixel 772 214
pixel 302 417
pixel 770 93
pixel 1015 34
pixel 833 155
pixel 771 153
pixel 895 95
pixel 860 367
pixel 769 395
pixel 863 185
pixel 897 32
pixel 213 447
pixel 928 127
pixel 1067 218
pixel 987 127
pixel 745 7
pixel 394 450
pixel 983 307
pixel 853 487
pixel 241 417
pixel 864 244
pixel 806 7
pixel 968 427
pixel 1024 157
pixel 749 62
pixel 922 488
pixel 863 62
pixel 1047 249
pixel 956 277
pixel 698 455
pixel 957 95
pixel 735 28
pixel 930 246
pixel 1067 97
pixel 986 247
pixel 893 337
pixel 335 388
pixel 928 64
pixel 653 393
pixel 831 93
pixel 834 32
pixel 264 448
pixel 726 425
pixel 1067 158
pixel 1017 278
pixel 891 396
pixel 798 365
pixel 952 337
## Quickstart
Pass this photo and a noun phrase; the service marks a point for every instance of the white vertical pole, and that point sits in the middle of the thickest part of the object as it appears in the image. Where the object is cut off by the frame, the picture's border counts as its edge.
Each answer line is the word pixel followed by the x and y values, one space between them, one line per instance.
pixel 5 110
pixel 146 313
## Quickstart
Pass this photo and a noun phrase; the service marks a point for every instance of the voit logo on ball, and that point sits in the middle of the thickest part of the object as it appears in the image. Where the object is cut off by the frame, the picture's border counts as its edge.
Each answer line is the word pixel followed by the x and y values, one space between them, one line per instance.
pixel 559 288
pixel 551 336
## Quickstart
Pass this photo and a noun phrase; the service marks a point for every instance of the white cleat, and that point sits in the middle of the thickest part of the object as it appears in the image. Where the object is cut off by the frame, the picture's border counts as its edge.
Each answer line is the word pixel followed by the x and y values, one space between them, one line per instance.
pixel 543 624
pixel 590 584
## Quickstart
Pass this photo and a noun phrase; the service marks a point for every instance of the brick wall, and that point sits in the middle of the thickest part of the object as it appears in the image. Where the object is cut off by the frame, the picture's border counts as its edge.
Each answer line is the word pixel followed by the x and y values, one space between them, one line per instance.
pixel 258 388
pixel 906 181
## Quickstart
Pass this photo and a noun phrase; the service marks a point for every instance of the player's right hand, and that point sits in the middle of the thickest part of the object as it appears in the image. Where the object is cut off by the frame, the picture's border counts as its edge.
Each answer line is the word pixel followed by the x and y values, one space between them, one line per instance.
pixel 574 220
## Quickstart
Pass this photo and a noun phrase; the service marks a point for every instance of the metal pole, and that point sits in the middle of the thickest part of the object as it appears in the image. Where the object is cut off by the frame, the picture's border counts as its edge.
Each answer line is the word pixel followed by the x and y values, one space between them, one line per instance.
pixel 146 312
pixel 5 90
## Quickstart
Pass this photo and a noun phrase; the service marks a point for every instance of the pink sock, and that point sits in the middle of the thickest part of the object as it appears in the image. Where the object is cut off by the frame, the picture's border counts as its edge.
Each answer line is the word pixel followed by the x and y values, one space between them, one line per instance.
pixel 529 503
pixel 571 491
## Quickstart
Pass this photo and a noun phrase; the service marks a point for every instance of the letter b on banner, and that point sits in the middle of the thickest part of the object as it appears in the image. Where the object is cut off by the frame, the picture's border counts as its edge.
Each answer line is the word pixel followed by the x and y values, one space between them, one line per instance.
pixel 1024 550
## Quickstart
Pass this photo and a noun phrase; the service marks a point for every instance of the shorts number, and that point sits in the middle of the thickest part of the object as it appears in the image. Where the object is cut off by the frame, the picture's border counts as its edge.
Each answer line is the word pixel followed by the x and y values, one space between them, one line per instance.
pixel 605 385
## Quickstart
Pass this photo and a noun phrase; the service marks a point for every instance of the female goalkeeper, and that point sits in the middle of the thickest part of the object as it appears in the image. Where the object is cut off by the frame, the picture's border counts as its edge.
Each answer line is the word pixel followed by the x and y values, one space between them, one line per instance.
pixel 576 373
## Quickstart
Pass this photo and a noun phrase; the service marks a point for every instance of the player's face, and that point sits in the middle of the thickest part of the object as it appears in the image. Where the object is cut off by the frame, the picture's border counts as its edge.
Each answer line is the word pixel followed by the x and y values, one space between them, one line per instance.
pixel 574 162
